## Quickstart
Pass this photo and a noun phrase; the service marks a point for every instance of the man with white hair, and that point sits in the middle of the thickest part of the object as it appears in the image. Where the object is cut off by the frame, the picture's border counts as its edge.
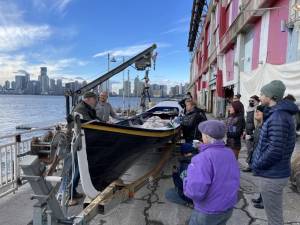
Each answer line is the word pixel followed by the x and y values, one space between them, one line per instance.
pixel 213 177
pixel 104 109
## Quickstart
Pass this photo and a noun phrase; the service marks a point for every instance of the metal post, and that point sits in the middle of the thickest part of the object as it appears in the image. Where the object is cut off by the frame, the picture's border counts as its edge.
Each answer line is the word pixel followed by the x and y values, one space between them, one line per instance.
pixel 107 82
pixel 128 94
pixel 67 105
pixel 123 88
pixel 16 162
pixel 38 213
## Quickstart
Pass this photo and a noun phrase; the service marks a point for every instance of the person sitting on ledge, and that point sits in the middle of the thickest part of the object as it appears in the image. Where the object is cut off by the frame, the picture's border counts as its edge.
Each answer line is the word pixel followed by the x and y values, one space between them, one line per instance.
pixel 175 194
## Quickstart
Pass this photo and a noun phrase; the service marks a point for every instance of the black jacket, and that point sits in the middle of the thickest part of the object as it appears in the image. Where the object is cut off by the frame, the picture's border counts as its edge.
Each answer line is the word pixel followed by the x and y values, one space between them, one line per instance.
pixel 235 127
pixel 87 112
pixel 250 126
pixel 190 124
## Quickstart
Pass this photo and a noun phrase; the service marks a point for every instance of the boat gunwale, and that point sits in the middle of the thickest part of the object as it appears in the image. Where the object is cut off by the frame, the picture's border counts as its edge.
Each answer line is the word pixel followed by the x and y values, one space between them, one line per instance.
pixel 115 128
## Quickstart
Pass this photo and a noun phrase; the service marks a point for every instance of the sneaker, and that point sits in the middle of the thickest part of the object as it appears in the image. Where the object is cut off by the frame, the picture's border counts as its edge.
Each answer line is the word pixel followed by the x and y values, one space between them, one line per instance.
pixel 73 202
pixel 247 170
pixel 259 206
pixel 77 195
pixel 256 200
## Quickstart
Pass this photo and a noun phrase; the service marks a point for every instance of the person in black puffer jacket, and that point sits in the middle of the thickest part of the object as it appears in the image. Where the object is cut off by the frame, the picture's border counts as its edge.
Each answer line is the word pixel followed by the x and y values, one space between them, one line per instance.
pixel 271 160
pixel 235 125
pixel 191 120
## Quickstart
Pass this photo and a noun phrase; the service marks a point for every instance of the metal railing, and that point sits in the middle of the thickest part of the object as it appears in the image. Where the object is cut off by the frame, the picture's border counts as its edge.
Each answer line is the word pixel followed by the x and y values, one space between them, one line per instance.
pixel 13 148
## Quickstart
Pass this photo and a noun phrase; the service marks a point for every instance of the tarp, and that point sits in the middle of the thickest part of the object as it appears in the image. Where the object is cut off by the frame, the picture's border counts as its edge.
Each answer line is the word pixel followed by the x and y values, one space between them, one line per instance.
pixel 289 74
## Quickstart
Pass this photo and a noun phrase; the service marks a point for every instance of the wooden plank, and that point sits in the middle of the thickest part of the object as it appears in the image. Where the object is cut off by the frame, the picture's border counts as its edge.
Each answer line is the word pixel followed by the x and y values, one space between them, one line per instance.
pixel 114 194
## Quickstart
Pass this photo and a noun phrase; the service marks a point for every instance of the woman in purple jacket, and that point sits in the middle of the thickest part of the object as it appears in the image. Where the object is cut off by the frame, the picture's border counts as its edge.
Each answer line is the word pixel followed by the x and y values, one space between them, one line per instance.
pixel 213 178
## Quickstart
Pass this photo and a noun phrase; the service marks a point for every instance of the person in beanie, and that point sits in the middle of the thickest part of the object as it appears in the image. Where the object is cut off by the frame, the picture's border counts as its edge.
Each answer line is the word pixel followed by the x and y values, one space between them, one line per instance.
pixel 235 124
pixel 271 160
pixel 213 177
pixel 87 106
pixel 175 194
pixel 87 109
pixel 250 126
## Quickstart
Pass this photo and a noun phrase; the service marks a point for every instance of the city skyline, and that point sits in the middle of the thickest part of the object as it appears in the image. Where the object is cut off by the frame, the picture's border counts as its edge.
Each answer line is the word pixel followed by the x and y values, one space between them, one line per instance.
pixel 44 85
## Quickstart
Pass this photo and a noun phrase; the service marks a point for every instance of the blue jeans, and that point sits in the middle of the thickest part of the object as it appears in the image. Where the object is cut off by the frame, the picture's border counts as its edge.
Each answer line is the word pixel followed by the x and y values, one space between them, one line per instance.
pixel 172 196
pixel 199 218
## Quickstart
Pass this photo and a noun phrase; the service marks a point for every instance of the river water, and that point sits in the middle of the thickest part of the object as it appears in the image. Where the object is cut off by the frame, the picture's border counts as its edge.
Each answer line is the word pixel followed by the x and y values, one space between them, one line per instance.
pixel 41 110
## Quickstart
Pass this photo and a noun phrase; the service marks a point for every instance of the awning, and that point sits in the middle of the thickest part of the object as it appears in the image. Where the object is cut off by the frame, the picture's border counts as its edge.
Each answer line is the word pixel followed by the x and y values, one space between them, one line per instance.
pixel 289 74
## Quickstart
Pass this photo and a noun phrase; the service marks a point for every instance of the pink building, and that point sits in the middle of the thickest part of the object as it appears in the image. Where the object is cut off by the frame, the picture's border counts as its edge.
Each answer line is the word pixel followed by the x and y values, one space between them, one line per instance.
pixel 230 36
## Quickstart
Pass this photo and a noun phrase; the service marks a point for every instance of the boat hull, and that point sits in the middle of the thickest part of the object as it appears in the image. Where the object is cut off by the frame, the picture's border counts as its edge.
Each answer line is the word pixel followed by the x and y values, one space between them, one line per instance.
pixel 109 150
pixel 110 154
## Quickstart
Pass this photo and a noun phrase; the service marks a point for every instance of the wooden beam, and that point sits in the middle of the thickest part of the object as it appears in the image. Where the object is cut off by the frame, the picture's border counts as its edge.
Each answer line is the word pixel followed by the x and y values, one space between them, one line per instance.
pixel 114 194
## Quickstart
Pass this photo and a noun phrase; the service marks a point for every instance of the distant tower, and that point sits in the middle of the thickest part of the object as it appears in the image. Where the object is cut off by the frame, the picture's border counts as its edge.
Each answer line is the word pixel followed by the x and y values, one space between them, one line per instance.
pixel 44 80
pixel 7 85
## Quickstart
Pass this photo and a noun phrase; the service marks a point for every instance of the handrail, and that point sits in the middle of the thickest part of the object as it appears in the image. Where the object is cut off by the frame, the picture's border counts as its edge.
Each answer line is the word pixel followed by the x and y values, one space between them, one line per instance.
pixel 27 131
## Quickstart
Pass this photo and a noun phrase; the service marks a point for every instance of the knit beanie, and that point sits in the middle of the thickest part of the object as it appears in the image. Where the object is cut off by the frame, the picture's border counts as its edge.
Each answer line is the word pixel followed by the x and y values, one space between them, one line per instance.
pixel 274 90
pixel 213 128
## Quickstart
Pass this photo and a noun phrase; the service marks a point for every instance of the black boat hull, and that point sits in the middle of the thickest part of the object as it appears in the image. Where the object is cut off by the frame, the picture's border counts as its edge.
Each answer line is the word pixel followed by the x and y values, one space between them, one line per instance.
pixel 110 154
pixel 109 150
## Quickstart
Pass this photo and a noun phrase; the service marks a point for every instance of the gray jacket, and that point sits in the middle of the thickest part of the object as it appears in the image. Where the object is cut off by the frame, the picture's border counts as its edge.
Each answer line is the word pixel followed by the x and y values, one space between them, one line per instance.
pixel 104 110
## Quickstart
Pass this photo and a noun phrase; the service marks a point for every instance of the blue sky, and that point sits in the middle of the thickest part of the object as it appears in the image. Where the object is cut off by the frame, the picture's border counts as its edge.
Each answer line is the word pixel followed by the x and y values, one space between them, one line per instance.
pixel 65 36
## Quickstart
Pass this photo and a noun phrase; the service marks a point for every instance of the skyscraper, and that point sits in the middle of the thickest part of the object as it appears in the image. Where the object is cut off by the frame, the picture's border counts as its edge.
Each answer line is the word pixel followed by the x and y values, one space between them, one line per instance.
pixel 52 86
pixel 59 87
pixel 27 79
pixel 164 90
pixel 44 80
pixel 127 88
pixel 7 85
pixel 136 86
pixel 20 84
pixel 13 85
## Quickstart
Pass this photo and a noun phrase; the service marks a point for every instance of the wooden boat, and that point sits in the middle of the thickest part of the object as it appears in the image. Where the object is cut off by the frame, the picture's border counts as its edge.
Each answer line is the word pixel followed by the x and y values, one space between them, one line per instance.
pixel 108 150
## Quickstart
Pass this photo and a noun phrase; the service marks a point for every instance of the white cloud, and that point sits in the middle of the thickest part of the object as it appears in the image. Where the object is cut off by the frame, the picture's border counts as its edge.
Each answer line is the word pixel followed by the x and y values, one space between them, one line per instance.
pixel 179 29
pixel 184 20
pixel 180 26
pixel 129 50
pixel 57 6
pixel 61 5
pixel 15 33
pixel 16 37
pixel 125 51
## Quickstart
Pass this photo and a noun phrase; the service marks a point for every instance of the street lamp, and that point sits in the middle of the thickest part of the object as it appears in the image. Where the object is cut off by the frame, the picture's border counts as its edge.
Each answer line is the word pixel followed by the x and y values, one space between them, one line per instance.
pixel 109 60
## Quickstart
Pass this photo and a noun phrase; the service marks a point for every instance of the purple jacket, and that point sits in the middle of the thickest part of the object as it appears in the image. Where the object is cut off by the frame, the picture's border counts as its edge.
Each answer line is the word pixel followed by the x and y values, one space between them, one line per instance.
pixel 213 179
